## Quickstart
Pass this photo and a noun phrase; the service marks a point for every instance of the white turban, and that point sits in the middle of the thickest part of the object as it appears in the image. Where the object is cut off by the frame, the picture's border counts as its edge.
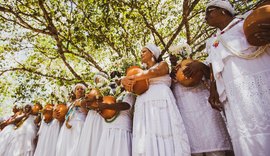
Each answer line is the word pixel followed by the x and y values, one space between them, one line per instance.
pixel 154 49
pixel 77 85
pixel 20 105
pixel 101 76
pixel 224 4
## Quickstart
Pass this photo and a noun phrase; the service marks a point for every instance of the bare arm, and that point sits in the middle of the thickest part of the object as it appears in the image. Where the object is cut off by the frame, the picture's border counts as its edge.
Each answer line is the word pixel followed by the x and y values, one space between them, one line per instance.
pixel 20 117
pixel 119 106
pixel 214 96
pixel 160 70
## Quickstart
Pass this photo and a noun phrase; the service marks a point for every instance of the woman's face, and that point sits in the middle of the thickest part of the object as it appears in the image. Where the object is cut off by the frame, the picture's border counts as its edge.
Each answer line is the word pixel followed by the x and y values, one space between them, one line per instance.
pixel 146 55
pixel 27 108
pixel 79 92
pixel 15 109
pixel 211 16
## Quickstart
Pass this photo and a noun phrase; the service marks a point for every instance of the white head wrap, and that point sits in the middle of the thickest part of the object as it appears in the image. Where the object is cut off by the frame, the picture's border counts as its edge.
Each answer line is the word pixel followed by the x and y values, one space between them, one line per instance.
pixel 224 4
pixel 31 104
pixel 17 105
pixel 20 105
pixel 101 76
pixel 77 85
pixel 154 49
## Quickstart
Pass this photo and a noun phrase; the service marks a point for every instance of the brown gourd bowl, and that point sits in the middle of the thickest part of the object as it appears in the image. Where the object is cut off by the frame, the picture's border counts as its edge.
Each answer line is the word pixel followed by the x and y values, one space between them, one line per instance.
pixel 261 15
pixel 187 82
pixel 62 109
pixel 48 113
pixel 107 113
pixel 140 86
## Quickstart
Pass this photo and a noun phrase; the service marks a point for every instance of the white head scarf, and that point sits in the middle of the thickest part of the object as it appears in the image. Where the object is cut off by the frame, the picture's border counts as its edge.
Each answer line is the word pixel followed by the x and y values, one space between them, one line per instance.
pixel 20 105
pixel 101 76
pixel 77 85
pixel 224 4
pixel 154 49
pixel 31 104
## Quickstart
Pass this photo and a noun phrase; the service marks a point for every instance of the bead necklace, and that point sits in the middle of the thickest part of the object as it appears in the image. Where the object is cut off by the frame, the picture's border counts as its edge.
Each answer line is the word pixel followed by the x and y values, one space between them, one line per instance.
pixel 216 42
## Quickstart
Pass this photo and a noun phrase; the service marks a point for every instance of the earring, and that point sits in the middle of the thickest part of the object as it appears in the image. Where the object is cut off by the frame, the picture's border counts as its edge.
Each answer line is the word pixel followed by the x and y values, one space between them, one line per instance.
pixel 144 65
pixel 153 59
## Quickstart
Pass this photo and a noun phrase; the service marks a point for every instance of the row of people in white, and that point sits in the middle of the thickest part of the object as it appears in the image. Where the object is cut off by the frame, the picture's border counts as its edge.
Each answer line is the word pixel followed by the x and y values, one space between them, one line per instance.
pixel 92 136
pixel 163 133
pixel 154 110
pixel 198 126
pixel 158 128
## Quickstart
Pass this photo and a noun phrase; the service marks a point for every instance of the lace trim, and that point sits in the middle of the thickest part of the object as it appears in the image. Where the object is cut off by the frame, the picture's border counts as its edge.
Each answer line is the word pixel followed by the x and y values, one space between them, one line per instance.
pixel 248 105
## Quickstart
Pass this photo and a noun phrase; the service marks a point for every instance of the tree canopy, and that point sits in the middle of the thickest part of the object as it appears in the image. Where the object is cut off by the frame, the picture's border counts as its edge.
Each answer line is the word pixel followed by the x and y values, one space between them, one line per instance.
pixel 46 46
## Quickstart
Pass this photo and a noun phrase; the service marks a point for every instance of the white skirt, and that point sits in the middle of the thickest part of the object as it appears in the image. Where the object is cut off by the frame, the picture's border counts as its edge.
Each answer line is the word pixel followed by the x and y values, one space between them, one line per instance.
pixel 47 140
pixel 22 143
pixel 158 128
pixel 205 126
pixel 68 139
pixel 115 142
pixel 248 114
pixel 6 136
pixel 90 136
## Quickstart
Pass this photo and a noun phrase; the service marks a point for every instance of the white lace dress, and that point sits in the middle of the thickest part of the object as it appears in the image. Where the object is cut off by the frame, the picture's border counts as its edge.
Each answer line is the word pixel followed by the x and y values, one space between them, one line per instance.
pixel 5 136
pixel 244 86
pixel 47 138
pixel 22 141
pixel 205 126
pixel 68 139
pixel 158 129
pixel 116 138
pixel 91 133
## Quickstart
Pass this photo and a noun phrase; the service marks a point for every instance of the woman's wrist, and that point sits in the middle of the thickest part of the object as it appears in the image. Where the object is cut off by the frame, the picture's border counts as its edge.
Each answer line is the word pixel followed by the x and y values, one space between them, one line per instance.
pixel 205 70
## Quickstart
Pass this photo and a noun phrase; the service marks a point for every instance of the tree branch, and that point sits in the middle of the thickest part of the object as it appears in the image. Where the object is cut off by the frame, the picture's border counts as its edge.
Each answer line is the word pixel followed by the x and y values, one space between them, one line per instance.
pixel 152 28
pixel 59 44
pixel 34 72
pixel 21 21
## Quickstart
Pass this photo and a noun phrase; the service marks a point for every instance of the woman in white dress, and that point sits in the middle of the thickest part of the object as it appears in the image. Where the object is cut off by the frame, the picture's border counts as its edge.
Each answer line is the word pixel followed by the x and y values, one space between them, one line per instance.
pixel 93 126
pixel 8 129
pixel 116 138
pixel 207 132
pixel 47 138
pixel 22 141
pixel 16 111
pixel 242 79
pixel 68 138
pixel 158 129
